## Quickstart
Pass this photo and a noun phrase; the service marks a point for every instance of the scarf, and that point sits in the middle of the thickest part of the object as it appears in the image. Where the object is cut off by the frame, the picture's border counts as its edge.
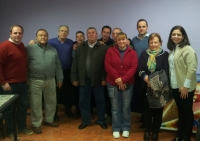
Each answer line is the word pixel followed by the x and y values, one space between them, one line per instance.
pixel 151 63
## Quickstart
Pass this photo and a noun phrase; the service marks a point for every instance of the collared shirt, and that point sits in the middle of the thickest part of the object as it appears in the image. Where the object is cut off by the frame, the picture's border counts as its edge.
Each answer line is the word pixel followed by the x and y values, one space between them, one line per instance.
pixel 146 35
pixel 91 45
pixel 173 80
pixel 11 40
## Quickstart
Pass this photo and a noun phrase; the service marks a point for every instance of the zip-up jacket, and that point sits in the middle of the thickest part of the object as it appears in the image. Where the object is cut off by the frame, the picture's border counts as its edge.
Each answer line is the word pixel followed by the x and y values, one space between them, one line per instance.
pixel 43 63
pixel 124 68
pixel 78 69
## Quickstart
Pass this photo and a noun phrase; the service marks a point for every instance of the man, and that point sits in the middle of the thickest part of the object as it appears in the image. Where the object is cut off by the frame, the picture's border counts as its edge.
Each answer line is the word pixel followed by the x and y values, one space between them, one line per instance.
pixel 114 34
pixel 105 33
pixel 64 46
pixel 88 71
pixel 43 66
pixel 13 76
pixel 80 38
pixel 105 39
pixel 140 44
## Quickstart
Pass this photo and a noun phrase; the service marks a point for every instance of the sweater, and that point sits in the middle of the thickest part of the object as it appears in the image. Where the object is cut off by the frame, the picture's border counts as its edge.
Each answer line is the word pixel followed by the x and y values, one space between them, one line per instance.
pixel 78 70
pixel 43 63
pixel 185 63
pixel 124 68
pixel 140 45
pixel 64 51
pixel 13 63
pixel 161 63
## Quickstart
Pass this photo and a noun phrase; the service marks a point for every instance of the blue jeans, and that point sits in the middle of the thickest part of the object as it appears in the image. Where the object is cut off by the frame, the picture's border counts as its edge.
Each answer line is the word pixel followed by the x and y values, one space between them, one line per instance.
pixel 84 102
pixel 22 106
pixel 121 107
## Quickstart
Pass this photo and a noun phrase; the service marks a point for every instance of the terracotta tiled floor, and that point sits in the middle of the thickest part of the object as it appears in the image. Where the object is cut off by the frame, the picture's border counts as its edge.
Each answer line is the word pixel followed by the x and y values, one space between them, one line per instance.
pixel 68 131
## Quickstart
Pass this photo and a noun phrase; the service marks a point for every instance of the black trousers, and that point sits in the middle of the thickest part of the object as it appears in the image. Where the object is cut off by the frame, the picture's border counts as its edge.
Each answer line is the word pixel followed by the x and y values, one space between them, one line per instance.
pixel 152 116
pixel 185 114
pixel 75 93
pixel 64 94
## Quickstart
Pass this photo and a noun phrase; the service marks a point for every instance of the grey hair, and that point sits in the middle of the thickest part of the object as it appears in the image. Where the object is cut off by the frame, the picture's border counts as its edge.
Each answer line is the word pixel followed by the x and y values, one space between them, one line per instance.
pixel 64 26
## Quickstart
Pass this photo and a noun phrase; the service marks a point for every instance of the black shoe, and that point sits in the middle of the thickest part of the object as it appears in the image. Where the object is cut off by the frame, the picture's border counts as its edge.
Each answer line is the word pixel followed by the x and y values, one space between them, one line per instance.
pixel 37 130
pixel 52 124
pixel 82 126
pixel 154 137
pixel 146 136
pixel 103 126
pixel 177 139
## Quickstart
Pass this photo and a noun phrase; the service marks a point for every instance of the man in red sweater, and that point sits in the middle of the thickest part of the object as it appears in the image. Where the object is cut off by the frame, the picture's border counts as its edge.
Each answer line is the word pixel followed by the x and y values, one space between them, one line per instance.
pixel 13 76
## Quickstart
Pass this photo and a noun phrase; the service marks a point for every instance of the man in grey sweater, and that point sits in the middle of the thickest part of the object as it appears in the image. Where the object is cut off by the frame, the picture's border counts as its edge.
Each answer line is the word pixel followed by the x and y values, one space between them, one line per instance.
pixel 43 66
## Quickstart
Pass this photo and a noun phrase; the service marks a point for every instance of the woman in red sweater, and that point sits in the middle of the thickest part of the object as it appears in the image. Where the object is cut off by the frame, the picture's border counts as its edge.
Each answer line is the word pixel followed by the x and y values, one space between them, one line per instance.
pixel 121 65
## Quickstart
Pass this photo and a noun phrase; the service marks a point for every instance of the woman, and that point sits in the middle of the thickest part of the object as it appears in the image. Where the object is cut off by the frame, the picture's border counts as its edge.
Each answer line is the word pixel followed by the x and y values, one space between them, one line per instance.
pixel 120 64
pixel 183 65
pixel 153 59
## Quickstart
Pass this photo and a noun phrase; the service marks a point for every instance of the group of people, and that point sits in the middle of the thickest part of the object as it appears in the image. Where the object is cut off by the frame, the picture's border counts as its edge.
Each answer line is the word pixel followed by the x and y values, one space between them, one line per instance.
pixel 105 68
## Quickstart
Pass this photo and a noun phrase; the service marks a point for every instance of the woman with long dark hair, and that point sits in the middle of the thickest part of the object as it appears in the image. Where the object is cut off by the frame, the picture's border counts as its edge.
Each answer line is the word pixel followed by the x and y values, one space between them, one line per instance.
pixel 183 65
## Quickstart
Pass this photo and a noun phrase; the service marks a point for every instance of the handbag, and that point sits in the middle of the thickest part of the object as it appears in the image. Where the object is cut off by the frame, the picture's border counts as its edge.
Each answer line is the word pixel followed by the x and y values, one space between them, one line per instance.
pixel 158 93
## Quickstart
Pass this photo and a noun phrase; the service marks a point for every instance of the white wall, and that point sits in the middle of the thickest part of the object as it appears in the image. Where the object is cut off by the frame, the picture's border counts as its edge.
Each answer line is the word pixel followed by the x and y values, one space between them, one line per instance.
pixel 161 15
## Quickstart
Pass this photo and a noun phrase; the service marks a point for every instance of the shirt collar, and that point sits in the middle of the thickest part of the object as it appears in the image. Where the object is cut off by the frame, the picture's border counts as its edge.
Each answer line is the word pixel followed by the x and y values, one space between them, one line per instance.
pixel 146 35
pixel 11 40
pixel 60 41
pixel 92 45
pixel 41 45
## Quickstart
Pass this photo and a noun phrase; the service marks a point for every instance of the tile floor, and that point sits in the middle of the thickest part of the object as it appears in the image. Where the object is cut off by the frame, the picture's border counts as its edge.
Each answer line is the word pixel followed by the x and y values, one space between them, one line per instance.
pixel 68 131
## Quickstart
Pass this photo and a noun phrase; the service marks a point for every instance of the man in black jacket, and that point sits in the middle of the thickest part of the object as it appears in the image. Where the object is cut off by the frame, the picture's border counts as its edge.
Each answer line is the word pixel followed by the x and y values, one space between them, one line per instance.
pixel 88 72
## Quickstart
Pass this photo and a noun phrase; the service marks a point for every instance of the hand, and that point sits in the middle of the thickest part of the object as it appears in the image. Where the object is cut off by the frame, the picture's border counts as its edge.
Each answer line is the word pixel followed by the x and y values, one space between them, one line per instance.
pixel 184 92
pixel 103 83
pixel 146 79
pixel 6 87
pixel 75 83
pixel 59 84
pixel 32 42
pixel 148 85
pixel 74 46
pixel 122 87
pixel 118 81
pixel 101 42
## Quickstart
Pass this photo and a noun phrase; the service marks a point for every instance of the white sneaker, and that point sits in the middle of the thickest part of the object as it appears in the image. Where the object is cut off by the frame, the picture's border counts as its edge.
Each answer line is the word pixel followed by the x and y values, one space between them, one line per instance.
pixel 116 135
pixel 125 134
